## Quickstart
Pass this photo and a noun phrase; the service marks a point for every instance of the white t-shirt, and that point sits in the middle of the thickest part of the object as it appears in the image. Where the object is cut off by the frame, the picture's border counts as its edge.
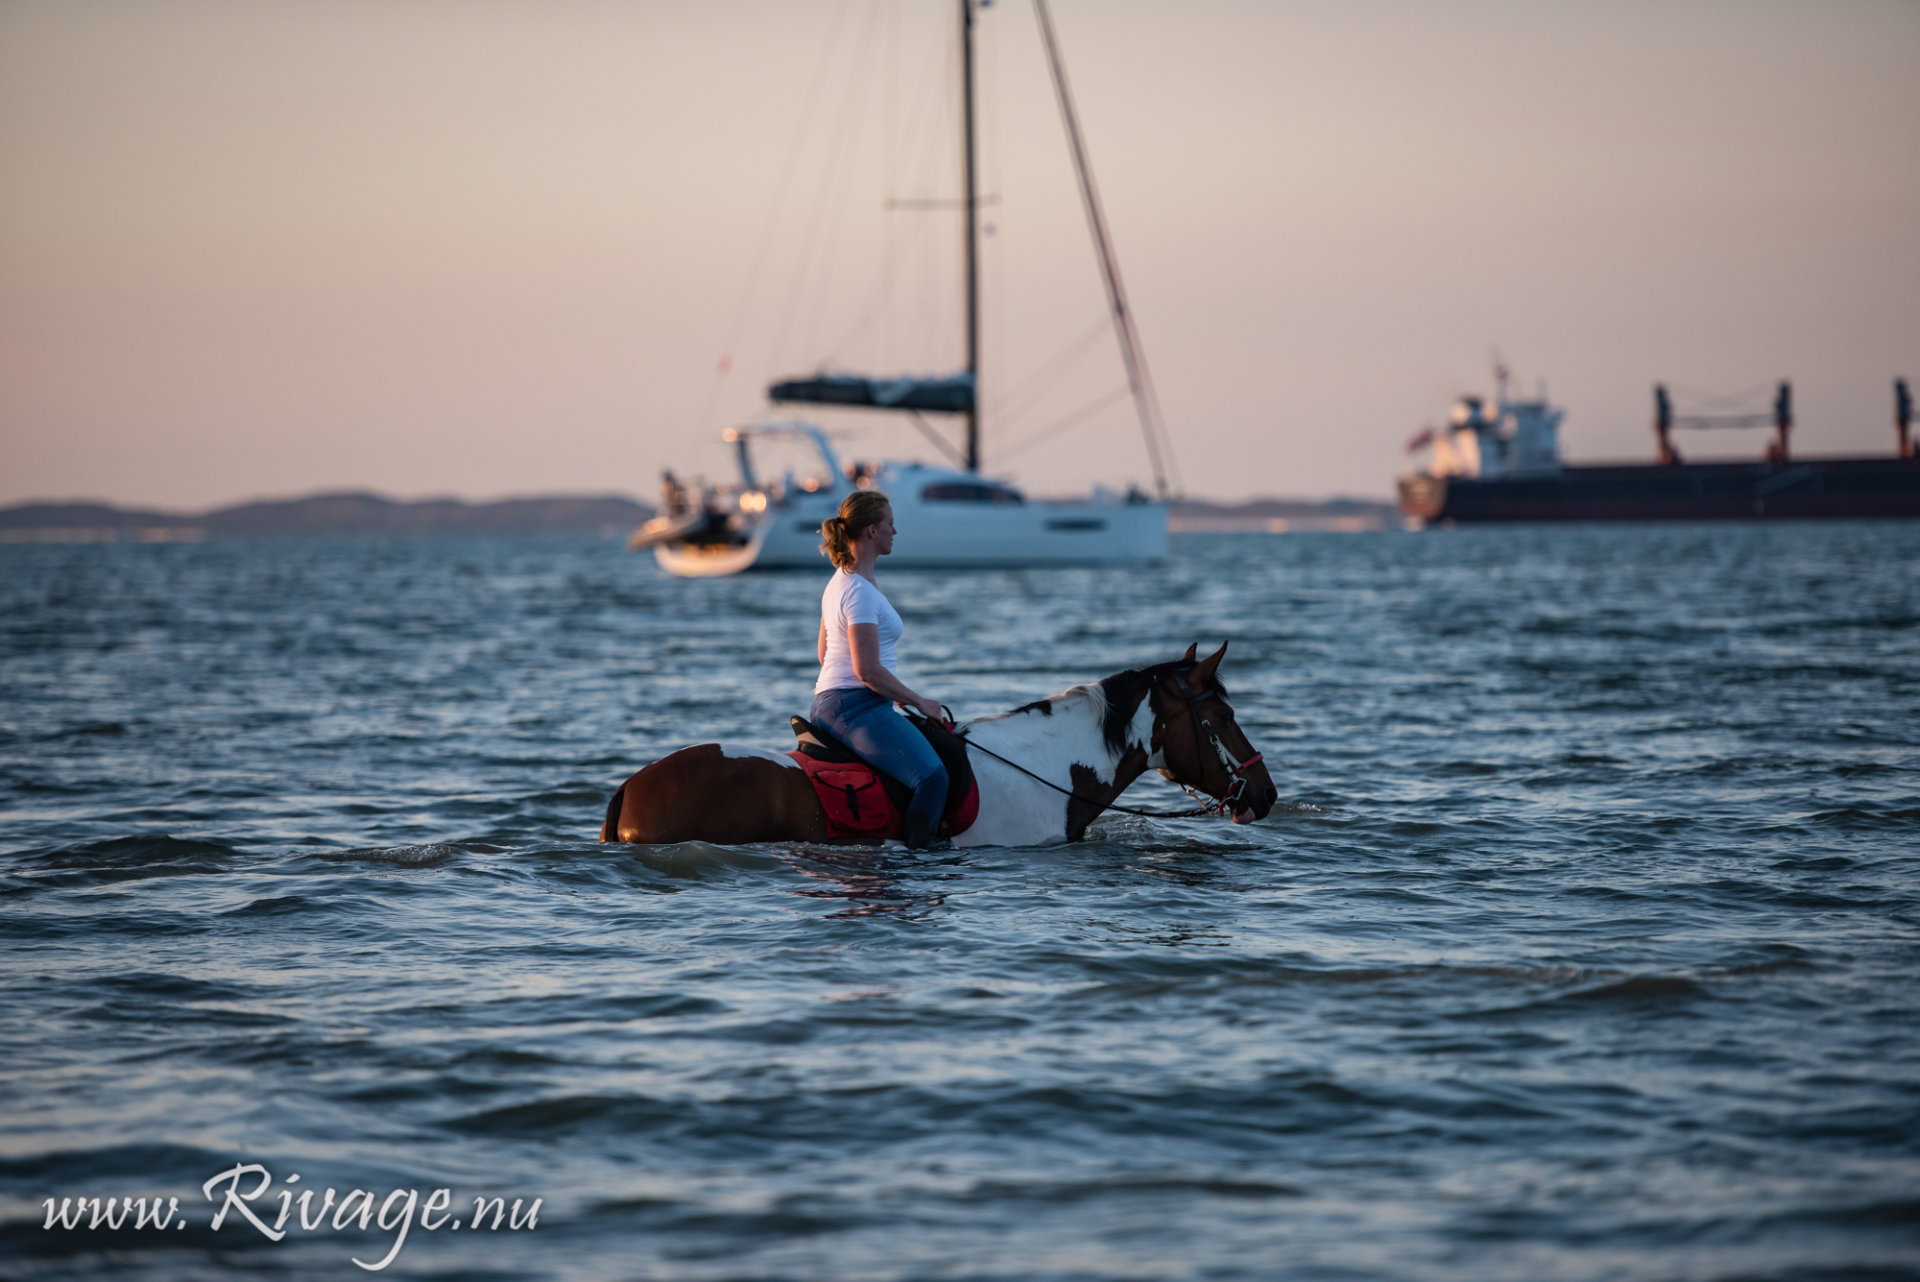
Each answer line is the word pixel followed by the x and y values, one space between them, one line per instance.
pixel 849 599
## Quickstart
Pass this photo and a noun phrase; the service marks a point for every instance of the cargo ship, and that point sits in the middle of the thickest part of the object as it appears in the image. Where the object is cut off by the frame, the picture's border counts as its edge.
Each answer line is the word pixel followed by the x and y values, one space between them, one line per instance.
pixel 1502 463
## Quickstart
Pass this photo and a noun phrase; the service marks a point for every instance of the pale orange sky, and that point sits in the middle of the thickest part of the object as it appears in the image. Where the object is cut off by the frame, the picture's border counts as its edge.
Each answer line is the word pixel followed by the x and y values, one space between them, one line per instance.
pixel 475 247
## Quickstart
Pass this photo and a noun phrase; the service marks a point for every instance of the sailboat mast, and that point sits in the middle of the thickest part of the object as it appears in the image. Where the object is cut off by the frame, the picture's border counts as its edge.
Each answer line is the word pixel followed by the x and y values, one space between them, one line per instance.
pixel 1145 402
pixel 970 208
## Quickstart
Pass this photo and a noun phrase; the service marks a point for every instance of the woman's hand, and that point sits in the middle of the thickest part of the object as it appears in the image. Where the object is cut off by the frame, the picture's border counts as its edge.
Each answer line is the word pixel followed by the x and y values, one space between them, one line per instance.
pixel 928 708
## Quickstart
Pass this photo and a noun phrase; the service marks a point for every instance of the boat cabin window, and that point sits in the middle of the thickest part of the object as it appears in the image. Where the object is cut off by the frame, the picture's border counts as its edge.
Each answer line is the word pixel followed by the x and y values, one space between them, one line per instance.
pixel 965 492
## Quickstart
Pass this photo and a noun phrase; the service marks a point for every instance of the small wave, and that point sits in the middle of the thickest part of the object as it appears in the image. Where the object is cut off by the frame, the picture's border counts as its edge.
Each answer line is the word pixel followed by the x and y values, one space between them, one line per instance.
pixel 621 1008
pixel 145 1011
pixel 1589 759
pixel 1786 957
pixel 1640 989
pixel 1141 1183
pixel 1559 976
pixel 119 859
pixel 571 1114
pixel 505 1057
pixel 278 906
pixel 170 987
pixel 1149 974
pixel 1868 818
pixel 92 729
pixel 699 859
pixel 1813 863
pixel 1901 1213
pixel 573 794
pixel 1607 892
pixel 136 1165
pixel 426 856
pixel 1642 992
pixel 784 1219
pixel 141 851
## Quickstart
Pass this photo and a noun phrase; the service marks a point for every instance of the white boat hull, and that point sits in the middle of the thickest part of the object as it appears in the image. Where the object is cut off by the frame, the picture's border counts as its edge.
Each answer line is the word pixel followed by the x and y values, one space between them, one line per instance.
pixel 779 527
pixel 953 534
pixel 957 535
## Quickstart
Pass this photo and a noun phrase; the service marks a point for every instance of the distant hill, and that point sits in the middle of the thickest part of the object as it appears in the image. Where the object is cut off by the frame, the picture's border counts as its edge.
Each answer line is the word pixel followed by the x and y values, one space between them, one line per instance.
pixel 324 514
pixel 608 515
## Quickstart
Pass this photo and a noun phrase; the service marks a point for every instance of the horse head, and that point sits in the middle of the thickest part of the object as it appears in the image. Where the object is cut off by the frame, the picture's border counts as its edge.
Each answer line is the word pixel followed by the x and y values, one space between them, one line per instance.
pixel 1197 742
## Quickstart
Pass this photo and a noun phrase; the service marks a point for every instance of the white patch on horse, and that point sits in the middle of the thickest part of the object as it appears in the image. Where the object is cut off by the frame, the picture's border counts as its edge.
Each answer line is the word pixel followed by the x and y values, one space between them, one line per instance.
pixel 1016 810
pixel 1141 733
pixel 740 750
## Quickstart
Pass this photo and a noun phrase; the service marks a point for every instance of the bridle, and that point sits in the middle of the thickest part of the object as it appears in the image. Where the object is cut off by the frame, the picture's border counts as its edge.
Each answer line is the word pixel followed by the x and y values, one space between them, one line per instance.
pixel 1236 770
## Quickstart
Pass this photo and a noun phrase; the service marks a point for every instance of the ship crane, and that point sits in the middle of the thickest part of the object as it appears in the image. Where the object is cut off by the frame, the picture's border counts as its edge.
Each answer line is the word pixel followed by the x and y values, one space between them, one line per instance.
pixel 1780 418
pixel 1903 417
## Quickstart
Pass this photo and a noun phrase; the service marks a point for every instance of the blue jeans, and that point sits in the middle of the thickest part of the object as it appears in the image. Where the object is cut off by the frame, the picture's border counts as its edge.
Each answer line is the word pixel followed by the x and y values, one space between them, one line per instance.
pixel 866 722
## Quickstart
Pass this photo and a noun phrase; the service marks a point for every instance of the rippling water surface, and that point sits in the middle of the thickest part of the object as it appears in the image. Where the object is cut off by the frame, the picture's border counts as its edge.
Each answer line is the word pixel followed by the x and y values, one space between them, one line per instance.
pixel 1583 943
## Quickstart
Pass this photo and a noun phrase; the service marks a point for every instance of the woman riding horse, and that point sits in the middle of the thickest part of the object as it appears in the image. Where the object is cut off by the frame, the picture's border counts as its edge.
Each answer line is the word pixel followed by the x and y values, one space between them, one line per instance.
pixel 1045 771
pixel 858 685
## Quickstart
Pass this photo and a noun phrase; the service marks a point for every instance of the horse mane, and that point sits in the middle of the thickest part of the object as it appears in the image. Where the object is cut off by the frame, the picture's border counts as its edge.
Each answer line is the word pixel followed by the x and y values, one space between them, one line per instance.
pixel 1124 691
pixel 1119 696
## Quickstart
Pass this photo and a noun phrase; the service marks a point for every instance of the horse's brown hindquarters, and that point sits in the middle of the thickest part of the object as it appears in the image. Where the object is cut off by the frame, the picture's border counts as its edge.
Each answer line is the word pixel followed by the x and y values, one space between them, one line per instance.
pixel 700 794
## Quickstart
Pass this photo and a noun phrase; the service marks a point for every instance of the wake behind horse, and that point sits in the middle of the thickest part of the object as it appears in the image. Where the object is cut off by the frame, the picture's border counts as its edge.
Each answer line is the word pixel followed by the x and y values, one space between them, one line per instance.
pixel 1045 770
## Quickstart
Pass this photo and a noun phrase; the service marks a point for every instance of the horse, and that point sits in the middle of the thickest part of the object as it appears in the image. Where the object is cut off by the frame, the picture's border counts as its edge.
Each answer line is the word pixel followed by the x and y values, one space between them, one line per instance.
pixel 1046 770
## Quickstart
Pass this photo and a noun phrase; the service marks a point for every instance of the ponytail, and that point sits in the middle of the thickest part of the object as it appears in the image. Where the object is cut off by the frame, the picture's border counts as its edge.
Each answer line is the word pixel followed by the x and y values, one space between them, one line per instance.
pixel 859 512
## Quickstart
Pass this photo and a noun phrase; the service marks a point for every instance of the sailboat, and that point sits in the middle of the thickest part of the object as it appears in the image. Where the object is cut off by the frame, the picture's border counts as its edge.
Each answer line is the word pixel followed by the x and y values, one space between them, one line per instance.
pixel 953 516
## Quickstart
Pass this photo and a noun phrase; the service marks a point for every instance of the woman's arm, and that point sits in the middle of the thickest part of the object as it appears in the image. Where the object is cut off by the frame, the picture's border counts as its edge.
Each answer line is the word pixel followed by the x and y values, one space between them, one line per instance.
pixel 823 641
pixel 863 639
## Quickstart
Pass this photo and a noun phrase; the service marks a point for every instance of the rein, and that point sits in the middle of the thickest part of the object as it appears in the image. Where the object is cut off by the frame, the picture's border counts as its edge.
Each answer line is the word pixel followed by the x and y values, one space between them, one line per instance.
pixel 1236 770
pixel 1068 792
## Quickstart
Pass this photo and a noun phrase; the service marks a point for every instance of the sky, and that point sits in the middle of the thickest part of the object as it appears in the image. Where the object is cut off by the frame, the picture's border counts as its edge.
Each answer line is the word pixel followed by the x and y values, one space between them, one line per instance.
pixel 257 248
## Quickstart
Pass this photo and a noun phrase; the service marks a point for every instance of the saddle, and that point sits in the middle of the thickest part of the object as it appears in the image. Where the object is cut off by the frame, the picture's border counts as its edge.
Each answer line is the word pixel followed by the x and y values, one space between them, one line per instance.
pixel 862 803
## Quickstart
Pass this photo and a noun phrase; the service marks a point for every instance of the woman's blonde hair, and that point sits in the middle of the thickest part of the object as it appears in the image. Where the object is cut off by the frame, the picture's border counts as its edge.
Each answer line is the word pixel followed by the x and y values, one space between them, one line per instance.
pixel 860 511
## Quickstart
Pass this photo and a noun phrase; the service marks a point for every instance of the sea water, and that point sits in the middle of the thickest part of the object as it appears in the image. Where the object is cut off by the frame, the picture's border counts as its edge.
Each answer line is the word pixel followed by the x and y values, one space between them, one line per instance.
pixel 1583 942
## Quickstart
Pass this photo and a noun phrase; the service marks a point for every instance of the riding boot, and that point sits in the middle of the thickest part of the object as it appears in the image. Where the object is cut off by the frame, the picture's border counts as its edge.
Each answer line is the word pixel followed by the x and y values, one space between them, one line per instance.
pixel 923 812
pixel 918 830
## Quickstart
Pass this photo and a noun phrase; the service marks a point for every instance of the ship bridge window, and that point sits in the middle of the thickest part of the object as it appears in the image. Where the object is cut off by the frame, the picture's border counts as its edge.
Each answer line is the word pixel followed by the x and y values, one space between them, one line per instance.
pixel 965 492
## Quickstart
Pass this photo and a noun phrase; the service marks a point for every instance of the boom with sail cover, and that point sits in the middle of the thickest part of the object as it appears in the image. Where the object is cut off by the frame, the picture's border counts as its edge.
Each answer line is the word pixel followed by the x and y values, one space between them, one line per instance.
pixel 952 395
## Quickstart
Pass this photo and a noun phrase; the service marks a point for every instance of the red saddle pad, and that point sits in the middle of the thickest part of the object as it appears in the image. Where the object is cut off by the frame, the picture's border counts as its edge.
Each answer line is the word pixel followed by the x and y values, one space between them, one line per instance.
pixel 853 800
pixel 856 805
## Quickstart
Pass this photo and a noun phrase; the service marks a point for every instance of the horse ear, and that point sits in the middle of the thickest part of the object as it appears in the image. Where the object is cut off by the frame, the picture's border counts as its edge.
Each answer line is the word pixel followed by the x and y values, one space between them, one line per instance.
pixel 1191 651
pixel 1203 675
